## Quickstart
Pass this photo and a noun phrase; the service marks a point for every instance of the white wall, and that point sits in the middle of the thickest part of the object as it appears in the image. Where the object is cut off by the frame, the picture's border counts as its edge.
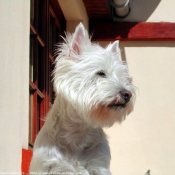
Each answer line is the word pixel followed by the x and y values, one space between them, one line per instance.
pixel 14 85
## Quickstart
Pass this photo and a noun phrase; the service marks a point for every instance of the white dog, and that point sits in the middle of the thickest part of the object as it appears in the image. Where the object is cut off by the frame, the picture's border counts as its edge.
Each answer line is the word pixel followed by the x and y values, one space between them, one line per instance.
pixel 93 90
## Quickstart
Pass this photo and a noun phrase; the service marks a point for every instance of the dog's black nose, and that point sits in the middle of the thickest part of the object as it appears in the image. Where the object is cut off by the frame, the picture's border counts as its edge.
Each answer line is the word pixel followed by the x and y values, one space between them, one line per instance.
pixel 126 95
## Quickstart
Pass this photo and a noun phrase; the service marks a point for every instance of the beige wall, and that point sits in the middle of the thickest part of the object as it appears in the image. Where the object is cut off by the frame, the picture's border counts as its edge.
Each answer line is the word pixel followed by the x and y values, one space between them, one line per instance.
pixel 146 139
pixel 14 86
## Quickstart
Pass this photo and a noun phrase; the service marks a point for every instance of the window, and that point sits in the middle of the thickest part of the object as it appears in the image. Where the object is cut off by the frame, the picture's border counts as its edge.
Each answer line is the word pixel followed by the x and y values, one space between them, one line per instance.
pixel 47 23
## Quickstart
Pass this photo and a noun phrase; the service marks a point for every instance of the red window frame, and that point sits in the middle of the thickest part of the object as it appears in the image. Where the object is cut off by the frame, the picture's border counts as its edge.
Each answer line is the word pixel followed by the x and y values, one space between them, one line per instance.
pixel 47 24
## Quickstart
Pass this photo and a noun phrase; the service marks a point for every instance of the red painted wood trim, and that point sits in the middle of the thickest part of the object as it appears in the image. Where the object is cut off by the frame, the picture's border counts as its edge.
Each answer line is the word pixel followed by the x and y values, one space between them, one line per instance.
pixel 26 158
pixel 107 31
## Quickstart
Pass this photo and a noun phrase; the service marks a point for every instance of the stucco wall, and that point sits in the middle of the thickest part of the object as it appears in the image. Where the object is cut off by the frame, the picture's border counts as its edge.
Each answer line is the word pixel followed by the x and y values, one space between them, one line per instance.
pixel 14 86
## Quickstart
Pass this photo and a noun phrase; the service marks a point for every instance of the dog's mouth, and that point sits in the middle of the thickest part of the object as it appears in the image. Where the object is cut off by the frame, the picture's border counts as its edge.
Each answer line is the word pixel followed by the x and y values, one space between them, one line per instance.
pixel 116 105
pixel 122 100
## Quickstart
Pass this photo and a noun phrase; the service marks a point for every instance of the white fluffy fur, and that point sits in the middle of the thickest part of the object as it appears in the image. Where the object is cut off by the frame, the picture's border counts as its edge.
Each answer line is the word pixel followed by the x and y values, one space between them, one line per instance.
pixel 72 140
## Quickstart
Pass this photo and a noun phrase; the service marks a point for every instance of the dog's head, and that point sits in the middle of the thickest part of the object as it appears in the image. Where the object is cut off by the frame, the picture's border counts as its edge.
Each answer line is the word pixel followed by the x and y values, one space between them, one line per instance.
pixel 93 81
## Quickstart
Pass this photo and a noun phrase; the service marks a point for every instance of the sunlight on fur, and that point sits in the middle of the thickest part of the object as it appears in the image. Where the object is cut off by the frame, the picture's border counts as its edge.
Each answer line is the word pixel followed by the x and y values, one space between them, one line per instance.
pixel 93 90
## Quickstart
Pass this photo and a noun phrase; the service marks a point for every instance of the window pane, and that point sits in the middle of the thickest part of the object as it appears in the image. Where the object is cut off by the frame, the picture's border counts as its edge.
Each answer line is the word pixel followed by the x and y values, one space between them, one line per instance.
pixel 51 35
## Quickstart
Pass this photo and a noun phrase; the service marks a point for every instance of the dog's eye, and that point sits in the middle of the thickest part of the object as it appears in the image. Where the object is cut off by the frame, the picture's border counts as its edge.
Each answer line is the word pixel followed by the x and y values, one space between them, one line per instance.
pixel 101 73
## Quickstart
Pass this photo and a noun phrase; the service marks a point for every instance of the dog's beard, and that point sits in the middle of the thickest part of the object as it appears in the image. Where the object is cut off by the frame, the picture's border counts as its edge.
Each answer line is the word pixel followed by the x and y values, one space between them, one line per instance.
pixel 107 115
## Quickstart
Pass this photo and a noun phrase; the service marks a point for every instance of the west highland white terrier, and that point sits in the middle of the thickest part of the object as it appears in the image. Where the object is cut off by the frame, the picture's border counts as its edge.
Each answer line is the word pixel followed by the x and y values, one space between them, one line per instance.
pixel 93 91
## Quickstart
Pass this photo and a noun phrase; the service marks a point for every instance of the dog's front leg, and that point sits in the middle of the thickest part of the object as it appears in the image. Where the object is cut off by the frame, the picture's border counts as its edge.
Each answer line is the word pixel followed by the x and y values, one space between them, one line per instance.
pixel 98 159
pixel 49 161
pixel 100 171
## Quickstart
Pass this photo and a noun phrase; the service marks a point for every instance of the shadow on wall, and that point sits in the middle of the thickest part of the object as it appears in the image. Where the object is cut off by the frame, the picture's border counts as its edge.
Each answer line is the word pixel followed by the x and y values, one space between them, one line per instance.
pixel 124 44
pixel 129 27
pixel 141 10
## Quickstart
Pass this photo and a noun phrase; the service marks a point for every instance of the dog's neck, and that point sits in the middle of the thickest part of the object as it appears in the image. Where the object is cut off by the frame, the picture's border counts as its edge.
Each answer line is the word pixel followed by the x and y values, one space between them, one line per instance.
pixel 72 132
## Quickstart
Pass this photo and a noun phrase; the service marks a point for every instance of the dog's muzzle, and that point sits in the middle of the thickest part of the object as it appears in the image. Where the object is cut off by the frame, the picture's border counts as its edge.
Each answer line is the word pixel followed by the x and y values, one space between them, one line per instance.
pixel 122 100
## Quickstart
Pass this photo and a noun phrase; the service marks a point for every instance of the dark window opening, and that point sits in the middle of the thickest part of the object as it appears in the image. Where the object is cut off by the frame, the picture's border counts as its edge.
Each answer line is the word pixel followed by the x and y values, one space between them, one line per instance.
pixel 47 23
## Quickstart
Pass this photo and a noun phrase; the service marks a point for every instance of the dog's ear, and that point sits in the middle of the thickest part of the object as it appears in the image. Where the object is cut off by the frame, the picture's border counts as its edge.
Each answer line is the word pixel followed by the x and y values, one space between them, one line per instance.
pixel 78 38
pixel 115 47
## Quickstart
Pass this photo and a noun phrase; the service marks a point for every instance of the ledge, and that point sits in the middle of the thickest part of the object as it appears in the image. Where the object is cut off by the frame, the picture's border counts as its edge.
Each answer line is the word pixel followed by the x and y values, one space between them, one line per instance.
pixel 26 158
pixel 107 31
